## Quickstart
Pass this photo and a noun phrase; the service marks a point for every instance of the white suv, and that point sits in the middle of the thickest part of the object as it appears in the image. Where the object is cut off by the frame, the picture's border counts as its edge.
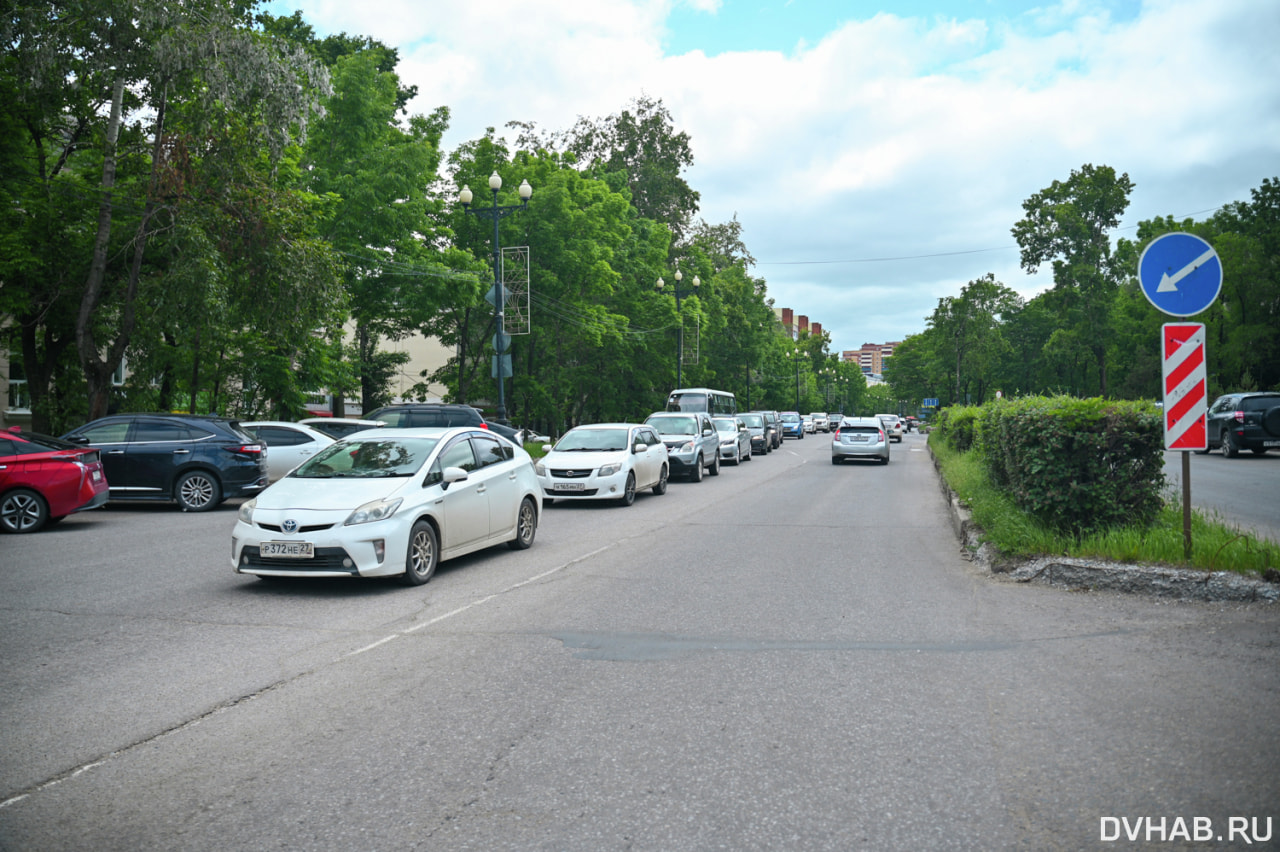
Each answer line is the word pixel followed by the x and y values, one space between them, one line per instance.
pixel 892 426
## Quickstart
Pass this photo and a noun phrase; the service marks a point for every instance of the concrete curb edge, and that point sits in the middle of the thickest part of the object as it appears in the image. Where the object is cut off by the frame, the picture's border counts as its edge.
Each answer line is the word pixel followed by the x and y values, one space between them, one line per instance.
pixel 1073 573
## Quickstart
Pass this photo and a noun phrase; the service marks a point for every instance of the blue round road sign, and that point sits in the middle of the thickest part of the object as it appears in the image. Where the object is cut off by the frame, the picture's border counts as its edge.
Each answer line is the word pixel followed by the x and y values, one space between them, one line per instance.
pixel 1180 274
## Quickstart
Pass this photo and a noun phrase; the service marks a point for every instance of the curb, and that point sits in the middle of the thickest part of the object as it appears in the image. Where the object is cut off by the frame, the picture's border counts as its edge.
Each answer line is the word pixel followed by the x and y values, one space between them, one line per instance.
pixel 1100 575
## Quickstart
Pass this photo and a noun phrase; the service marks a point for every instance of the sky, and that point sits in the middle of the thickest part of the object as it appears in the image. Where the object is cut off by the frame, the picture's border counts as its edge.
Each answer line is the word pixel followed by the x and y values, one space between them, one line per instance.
pixel 877 154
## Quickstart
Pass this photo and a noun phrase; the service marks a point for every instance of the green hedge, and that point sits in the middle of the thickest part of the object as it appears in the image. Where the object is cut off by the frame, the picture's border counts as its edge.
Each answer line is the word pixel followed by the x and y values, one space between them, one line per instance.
pixel 1078 465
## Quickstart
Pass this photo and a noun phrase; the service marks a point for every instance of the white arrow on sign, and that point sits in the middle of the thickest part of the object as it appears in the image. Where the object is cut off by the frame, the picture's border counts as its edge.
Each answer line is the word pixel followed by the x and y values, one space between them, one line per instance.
pixel 1170 282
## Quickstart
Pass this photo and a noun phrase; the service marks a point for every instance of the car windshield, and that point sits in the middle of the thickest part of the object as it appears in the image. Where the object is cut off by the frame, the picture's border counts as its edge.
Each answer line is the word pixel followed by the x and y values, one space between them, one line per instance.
pixel 725 425
pixel 755 421
pixel 368 459
pixel 790 418
pixel 674 425
pixel 593 441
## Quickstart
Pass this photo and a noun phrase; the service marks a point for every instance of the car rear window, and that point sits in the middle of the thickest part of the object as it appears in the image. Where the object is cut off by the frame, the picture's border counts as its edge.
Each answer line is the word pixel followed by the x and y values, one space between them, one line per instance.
pixel 1259 403
pixel 859 430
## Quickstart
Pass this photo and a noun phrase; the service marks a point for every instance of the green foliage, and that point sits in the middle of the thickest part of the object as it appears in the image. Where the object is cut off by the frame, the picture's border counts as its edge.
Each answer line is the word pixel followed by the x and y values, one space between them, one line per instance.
pixel 1076 465
pixel 1015 533
pixel 957 425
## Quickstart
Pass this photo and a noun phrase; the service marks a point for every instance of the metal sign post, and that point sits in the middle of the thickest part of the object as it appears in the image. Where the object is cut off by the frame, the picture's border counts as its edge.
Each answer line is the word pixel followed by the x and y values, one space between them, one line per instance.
pixel 1181 275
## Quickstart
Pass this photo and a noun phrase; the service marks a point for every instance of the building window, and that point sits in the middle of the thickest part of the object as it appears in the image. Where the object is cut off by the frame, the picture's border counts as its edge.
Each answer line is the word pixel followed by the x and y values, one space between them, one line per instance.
pixel 19 396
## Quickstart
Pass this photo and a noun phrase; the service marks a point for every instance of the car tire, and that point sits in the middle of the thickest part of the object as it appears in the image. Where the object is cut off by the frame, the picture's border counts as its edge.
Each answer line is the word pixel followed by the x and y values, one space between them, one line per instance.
pixel 884 460
pixel 715 465
pixel 423 556
pixel 660 487
pixel 526 525
pixel 629 490
pixel 749 454
pixel 23 511
pixel 1228 446
pixel 197 491
pixel 835 460
pixel 695 472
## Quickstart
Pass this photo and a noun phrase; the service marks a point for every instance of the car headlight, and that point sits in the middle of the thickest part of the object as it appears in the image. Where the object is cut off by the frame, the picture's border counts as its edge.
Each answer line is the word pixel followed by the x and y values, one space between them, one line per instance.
pixel 377 510
pixel 246 510
pixel 610 469
pixel 685 447
pixel 539 468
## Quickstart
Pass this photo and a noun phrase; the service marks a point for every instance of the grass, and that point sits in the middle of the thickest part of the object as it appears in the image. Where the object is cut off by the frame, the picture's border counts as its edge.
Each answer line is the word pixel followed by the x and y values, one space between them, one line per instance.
pixel 1216 544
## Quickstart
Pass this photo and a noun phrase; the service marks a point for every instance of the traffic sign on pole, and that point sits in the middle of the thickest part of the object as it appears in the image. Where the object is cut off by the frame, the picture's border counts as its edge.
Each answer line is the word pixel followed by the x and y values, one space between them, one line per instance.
pixel 1185 394
pixel 1180 274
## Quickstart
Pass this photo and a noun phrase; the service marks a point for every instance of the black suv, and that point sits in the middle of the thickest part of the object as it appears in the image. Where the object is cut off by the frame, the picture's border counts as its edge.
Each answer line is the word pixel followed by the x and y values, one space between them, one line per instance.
pixel 194 460
pixel 417 414
pixel 1244 421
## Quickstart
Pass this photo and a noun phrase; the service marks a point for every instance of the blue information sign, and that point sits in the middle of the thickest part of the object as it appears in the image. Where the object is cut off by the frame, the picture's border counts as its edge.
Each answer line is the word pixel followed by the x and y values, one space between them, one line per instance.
pixel 1180 274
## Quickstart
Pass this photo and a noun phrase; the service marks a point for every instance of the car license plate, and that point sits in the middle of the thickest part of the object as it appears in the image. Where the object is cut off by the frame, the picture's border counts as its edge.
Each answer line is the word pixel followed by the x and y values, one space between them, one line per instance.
pixel 97 476
pixel 1271 443
pixel 288 549
pixel 570 486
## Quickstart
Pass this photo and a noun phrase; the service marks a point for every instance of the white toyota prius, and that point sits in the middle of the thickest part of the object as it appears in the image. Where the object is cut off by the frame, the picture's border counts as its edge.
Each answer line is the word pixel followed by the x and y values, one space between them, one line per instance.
pixel 391 502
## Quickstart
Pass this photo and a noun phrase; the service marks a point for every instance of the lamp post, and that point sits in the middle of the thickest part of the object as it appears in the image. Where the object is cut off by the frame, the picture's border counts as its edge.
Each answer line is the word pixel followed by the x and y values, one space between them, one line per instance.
pixel 500 339
pixel 679 276
pixel 797 356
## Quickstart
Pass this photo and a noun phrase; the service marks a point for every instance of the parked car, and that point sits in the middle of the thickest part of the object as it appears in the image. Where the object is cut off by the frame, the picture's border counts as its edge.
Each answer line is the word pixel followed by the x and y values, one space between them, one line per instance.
pixel 44 479
pixel 773 426
pixel 860 438
pixel 341 427
pixel 692 442
pixel 604 461
pixel 194 460
pixel 395 502
pixel 892 426
pixel 414 414
pixel 1244 421
pixel 761 435
pixel 735 439
pixel 792 425
pixel 289 444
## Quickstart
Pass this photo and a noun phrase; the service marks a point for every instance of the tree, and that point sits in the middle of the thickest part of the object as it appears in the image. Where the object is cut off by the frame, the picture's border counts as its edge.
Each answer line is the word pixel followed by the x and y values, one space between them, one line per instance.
pixel 1069 223
pixel 126 91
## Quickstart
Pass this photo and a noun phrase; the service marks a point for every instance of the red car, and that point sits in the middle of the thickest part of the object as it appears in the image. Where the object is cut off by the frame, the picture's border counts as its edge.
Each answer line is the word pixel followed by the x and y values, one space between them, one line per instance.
pixel 43 479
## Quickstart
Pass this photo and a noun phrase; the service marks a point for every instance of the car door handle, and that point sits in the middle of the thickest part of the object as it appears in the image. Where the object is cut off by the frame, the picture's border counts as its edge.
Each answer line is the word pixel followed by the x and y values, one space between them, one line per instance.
pixel 115 452
pixel 182 452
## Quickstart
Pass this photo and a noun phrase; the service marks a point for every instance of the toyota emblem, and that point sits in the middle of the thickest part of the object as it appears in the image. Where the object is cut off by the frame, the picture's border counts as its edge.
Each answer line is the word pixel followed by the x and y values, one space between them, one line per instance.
pixel 290 526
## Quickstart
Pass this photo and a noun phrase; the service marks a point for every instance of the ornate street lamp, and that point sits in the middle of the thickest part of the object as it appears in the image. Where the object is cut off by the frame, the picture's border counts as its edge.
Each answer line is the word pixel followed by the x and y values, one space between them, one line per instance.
pixel 679 293
pixel 501 341
pixel 797 356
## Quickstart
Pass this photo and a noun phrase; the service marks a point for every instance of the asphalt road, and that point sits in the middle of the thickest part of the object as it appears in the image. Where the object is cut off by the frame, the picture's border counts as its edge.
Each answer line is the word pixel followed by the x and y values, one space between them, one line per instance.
pixel 1243 491
pixel 788 656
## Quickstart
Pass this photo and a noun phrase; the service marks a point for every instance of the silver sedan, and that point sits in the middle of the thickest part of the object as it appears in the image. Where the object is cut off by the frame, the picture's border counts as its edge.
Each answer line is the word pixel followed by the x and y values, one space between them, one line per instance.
pixel 860 438
pixel 735 439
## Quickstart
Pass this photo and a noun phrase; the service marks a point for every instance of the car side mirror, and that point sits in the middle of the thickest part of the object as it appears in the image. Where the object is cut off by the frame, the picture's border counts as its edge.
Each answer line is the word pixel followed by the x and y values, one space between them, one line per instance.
pixel 707 433
pixel 546 448
pixel 78 439
pixel 452 475
pixel 640 447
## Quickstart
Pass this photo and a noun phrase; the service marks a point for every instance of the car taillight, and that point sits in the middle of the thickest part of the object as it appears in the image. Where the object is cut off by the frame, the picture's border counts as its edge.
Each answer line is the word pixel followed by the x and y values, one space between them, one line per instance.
pixel 1239 416
pixel 246 449
pixel 484 425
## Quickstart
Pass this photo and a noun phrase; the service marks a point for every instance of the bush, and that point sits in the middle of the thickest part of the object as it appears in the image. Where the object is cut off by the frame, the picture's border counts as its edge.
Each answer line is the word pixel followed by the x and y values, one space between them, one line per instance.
pixel 956 424
pixel 1077 465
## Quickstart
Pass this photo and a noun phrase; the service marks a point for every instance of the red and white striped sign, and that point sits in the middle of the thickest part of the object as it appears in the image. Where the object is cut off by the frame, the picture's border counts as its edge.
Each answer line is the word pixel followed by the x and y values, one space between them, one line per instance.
pixel 1185 400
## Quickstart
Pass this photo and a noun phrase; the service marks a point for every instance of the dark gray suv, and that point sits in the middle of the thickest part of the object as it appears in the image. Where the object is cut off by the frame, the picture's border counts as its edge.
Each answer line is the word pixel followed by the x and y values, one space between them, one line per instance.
pixel 692 442
pixel 1244 421
pixel 194 460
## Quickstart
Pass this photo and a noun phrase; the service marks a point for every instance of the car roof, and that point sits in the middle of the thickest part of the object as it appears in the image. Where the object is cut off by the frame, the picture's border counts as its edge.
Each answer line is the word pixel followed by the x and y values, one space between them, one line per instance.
pixel 608 426
pixel 860 421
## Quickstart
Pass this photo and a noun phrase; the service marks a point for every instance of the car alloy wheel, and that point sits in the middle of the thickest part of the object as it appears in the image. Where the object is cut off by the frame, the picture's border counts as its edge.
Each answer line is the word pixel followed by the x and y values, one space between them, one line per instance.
pixel 629 490
pixel 695 473
pixel 661 486
pixel 23 511
pixel 1228 446
pixel 198 491
pixel 715 466
pixel 423 556
pixel 526 526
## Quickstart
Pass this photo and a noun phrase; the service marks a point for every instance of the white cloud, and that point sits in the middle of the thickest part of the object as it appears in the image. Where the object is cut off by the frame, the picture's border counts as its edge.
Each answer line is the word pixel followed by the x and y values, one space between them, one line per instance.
pixel 888 137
